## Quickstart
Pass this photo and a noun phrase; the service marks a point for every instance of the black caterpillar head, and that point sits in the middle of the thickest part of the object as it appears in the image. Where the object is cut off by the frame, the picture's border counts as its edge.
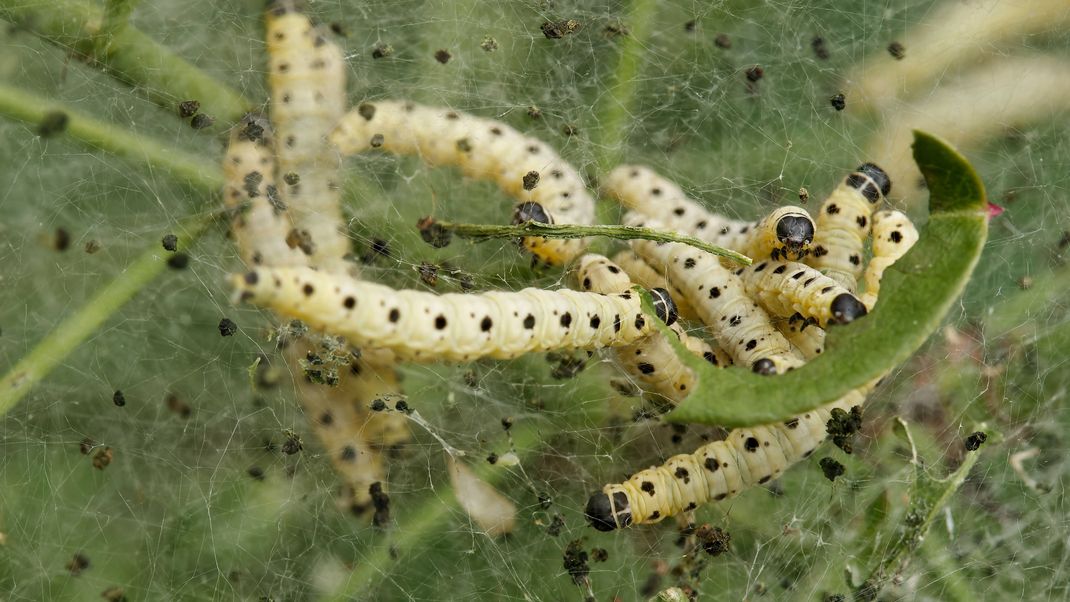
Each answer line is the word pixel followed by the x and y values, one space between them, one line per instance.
pixel 664 306
pixel 602 515
pixel 764 366
pixel 871 181
pixel 795 231
pixel 531 212
pixel 845 308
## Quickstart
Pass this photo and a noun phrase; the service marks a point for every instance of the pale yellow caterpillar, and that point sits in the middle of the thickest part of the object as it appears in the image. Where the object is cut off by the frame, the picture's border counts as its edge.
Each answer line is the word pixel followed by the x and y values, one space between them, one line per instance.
pixel 647 277
pixel 740 325
pixel 260 222
pixel 893 235
pixel 789 288
pixel 844 224
pixel 809 341
pixel 306 78
pixel 548 188
pixel 787 232
pixel 715 471
pixel 651 361
pixel 422 326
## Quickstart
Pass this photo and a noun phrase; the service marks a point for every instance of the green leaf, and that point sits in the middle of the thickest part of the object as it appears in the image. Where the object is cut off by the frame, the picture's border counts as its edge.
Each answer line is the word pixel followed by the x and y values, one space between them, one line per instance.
pixel 916 294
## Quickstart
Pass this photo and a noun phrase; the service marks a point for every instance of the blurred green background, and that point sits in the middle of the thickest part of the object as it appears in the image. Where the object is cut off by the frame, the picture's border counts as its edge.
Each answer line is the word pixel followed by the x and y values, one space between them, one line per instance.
pixel 176 514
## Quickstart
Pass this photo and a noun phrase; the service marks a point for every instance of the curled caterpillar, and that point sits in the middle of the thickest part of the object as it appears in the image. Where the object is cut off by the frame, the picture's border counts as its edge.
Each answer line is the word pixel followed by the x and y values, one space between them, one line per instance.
pixel 893 235
pixel 652 360
pixel 260 221
pixel 423 326
pixel 741 327
pixel 787 232
pixel 844 224
pixel 647 277
pixel 548 189
pixel 715 471
pixel 788 288
pixel 306 77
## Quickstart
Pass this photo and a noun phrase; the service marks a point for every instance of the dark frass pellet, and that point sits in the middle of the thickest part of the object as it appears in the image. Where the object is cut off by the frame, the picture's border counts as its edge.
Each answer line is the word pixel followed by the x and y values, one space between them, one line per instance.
pixel 755 73
pixel 170 242
pixel 443 56
pixel 118 399
pixel 821 51
pixel 256 472
pixel 897 51
pixel 178 261
pixel 201 121
pixel 722 41
pixel 293 443
pixel 378 405
pixel 534 112
pixel 188 108
pixel 690 26
pixel 489 44
pixel 381 51
pixel 975 440
pixel 52 124
pixel 227 327
pixel 61 239
pixel 78 563
pixel 403 407
pixel 838 102
pixel 531 180
pixel 831 468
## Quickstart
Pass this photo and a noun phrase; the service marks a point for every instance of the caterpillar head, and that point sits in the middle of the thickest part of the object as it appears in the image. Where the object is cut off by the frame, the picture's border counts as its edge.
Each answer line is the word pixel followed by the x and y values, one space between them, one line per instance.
pixel 845 308
pixel 664 306
pixel 795 231
pixel 607 513
pixel 764 366
pixel 531 212
pixel 872 181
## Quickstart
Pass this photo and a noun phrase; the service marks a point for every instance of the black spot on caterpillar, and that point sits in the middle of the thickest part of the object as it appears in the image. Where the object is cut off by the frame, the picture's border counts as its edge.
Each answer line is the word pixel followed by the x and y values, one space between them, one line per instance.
pixel 893 235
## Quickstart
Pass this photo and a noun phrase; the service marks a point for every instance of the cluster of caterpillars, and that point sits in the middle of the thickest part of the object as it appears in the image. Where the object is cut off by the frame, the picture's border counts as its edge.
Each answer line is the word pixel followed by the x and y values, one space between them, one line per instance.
pixel 283 190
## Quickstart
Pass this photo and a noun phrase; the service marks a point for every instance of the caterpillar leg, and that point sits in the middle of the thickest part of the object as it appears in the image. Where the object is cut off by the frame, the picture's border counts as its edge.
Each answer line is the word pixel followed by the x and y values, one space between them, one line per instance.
pixel 546 187
pixel 844 224
pixel 741 326
pixel 893 235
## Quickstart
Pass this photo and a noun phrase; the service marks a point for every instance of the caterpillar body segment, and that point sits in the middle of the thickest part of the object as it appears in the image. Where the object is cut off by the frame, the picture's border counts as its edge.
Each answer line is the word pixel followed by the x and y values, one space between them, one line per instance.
pixel 647 277
pixel 306 79
pixel 260 222
pixel 650 361
pixel 422 326
pixel 740 326
pixel 788 288
pixel 525 168
pixel 844 224
pixel 786 232
pixel 715 471
pixel 893 235
pixel 809 342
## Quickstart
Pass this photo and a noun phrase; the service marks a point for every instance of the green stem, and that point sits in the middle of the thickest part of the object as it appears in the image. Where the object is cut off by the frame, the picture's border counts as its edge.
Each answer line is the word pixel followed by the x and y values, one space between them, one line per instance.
pixel 72 331
pixel 432 515
pixel 76 328
pixel 616 112
pixel 186 167
pixel 530 228
pixel 125 53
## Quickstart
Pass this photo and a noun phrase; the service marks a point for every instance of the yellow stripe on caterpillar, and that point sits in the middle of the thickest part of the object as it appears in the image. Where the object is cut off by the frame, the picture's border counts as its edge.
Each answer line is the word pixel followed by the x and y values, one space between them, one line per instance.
pixel 740 326
pixel 715 471
pixel 844 224
pixel 524 167
pixel 423 326
pixel 893 235
pixel 788 288
pixel 260 222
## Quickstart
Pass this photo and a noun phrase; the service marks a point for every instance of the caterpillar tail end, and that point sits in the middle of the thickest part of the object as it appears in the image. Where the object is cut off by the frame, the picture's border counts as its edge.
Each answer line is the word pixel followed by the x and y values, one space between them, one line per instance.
pixel 606 513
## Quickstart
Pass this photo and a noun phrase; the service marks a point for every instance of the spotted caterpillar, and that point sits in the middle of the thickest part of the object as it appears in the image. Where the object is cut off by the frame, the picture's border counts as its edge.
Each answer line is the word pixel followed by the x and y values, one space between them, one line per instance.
pixel 715 471
pixel 893 235
pixel 741 327
pixel 260 222
pixel 786 232
pixel 809 342
pixel 844 224
pixel 647 277
pixel 306 77
pixel 651 361
pixel 548 188
pixel 423 326
pixel 787 288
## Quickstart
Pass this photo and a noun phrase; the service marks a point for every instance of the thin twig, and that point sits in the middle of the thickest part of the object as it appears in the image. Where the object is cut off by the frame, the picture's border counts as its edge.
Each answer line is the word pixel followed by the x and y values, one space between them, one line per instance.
pixel 530 228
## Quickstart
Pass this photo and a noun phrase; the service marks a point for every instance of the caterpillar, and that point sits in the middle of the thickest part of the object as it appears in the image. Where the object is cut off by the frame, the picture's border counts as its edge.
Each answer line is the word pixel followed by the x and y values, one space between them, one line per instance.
pixel 788 288
pixel 651 361
pixel 893 235
pixel 423 326
pixel 306 78
pixel 787 232
pixel 548 189
pixel 741 327
pixel 715 471
pixel 647 277
pixel 259 221
pixel 844 223
pixel 809 342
